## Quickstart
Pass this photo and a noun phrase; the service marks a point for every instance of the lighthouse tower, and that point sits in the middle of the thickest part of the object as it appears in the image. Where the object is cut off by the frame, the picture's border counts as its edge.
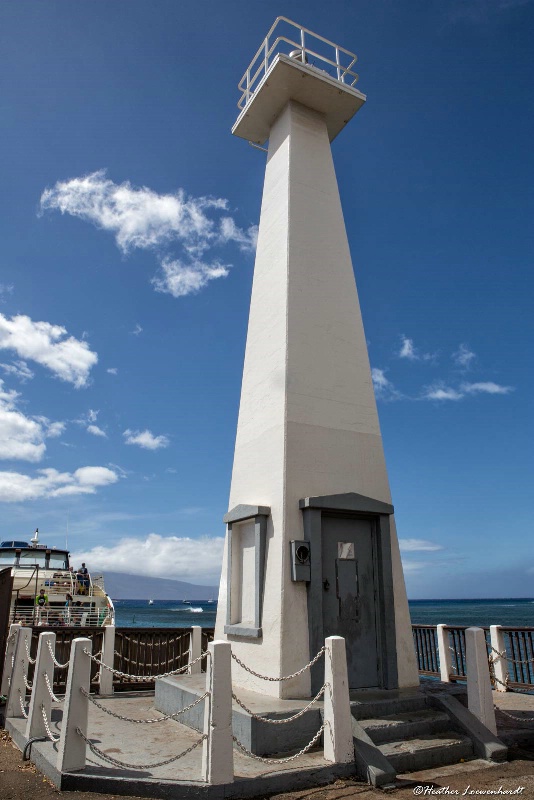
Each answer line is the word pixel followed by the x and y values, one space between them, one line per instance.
pixel 311 548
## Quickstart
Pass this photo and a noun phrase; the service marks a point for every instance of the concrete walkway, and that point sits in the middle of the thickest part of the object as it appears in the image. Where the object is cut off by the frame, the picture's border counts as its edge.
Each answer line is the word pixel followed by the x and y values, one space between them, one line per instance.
pixel 141 744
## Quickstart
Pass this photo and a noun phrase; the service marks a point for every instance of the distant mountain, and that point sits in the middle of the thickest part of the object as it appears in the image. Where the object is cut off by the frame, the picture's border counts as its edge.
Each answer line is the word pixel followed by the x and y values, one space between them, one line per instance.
pixel 123 586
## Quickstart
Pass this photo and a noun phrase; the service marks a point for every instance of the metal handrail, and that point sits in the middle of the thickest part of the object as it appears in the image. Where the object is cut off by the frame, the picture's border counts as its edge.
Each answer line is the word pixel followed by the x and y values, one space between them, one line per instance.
pixel 266 50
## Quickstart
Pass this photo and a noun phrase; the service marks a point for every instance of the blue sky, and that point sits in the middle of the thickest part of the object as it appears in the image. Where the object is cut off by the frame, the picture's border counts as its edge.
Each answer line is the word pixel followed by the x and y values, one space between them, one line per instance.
pixel 127 218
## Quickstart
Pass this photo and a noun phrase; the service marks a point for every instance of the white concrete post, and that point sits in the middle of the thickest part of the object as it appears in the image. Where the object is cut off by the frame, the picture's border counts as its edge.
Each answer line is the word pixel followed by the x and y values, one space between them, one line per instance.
pixel 218 748
pixel 195 649
pixel 44 665
pixel 17 688
pixel 71 749
pixel 444 652
pixel 479 696
pixel 500 665
pixel 10 654
pixel 337 735
pixel 108 657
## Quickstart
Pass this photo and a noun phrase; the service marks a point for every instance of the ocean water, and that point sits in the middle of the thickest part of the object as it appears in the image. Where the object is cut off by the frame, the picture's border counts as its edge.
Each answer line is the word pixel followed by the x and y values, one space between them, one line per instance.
pixel 176 614
pixel 164 613
pixel 513 612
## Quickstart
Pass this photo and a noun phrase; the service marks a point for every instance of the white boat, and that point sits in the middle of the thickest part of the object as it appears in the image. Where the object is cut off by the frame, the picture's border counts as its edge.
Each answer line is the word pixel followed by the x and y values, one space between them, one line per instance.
pixel 150 602
pixel 41 571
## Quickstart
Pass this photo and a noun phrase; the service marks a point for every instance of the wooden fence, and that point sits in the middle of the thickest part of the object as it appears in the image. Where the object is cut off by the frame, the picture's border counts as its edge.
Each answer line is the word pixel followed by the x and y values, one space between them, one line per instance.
pixel 138 651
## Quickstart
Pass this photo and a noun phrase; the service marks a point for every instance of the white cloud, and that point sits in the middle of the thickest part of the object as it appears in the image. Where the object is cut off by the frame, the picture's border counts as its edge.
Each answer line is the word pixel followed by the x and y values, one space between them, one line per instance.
pixel 18 369
pixel 96 431
pixel 172 556
pixel 412 545
pixel 407 349
pixel 411 353
pixel 487 387
pixel 463 357
pixel 439 391
pixel 5 289
pixel 138 217
pixel 146 439
pixel 16 487
pixel 180 279
pixel 136 331
pixel 230 232
pixel 383 387
pixel 413 566
pixel 23 437
pixel 142 218
pixel 92 415
pixel 112 371
pixel 68 358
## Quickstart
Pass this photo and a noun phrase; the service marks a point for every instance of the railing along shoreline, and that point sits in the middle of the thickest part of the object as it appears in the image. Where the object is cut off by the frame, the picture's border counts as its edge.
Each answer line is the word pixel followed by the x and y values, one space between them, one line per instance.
pixel 137 651
pixel 515 649
pixel 142 651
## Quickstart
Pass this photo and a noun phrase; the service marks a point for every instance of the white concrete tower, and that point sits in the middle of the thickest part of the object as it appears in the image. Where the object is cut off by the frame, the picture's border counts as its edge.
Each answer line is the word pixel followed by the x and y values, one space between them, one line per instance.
pixel 311 548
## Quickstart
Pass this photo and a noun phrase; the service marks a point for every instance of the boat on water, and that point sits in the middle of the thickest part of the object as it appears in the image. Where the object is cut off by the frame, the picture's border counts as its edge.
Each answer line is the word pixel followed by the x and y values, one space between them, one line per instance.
pixel 47 591
pixel 150 602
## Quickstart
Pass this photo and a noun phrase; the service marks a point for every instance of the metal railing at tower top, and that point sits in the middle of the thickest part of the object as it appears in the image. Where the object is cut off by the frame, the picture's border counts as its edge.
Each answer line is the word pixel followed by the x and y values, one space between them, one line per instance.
pixel 289 39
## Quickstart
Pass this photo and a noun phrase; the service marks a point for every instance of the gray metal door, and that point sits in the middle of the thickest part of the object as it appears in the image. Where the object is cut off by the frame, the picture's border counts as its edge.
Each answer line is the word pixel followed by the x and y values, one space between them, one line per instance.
pixel 349 604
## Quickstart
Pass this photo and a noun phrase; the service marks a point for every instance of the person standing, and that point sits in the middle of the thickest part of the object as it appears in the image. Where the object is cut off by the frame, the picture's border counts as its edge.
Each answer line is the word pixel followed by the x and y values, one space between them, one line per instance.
pixel 41 601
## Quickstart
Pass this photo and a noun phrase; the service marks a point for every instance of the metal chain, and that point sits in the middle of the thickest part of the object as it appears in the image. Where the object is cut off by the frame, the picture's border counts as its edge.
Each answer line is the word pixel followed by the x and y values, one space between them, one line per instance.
pixel 280 760
pixel 136 660
pixel 146 721
pixel 21 701
pixel 283 677
pixel 54 659
pixel 50 690
pixel 97 752
pixel 144 678
pixel 506 683
pixel 27 684
pixel 47 726
pixel 153 644
pixel 287 719
pixel 30 659
pixel 512 716
pixel 508 658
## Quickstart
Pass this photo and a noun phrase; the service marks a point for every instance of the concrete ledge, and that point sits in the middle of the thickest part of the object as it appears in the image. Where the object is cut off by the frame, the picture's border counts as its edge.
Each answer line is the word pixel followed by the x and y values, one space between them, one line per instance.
pixel 242 512
pixel 244 631
pixel 261 738
pixel 371 764
pixel 485 743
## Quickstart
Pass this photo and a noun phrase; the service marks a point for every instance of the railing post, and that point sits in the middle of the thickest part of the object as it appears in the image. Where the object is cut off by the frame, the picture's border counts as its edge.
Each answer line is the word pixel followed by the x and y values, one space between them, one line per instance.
pixel 44 665
pixel 10 653
pixel 17 687
pixel 479 697
pixel 500 665
pixel 71 749
pixel 218 748
pixel 195 649
pixel 444 652
pixel 105 682
pixel 337 735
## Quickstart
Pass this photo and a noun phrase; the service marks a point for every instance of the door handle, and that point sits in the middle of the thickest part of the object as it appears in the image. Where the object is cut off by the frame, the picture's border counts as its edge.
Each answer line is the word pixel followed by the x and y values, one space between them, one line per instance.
pixel 326 585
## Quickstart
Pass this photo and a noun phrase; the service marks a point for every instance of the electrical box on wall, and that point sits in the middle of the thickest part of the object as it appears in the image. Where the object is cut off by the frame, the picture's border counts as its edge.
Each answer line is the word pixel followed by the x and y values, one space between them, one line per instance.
pixel 300 560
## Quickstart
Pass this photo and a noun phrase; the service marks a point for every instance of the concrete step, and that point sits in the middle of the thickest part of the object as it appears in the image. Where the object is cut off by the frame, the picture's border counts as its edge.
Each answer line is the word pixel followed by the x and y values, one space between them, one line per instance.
pixel 434 750
pixel 373 709
pixel 406 725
